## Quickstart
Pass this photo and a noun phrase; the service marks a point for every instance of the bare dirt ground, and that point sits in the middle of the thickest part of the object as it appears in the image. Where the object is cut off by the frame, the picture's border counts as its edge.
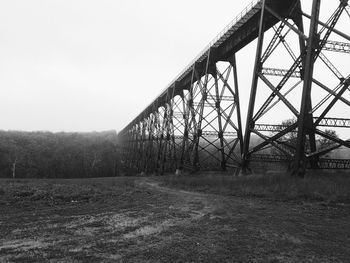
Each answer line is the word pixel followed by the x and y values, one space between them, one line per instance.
pixel 137 220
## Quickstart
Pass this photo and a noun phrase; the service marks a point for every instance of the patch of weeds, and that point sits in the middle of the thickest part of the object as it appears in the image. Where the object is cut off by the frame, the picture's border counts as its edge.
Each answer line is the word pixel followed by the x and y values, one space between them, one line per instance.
pixel 61 191
pixel 314 187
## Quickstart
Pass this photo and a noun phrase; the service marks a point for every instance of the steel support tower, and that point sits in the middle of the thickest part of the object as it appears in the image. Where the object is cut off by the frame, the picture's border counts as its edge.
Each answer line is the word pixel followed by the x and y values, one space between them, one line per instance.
pixel 196 122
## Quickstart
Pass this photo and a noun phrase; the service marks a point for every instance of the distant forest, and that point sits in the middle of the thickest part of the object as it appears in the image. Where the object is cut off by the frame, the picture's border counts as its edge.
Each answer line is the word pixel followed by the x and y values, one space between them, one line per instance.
pixel 57 155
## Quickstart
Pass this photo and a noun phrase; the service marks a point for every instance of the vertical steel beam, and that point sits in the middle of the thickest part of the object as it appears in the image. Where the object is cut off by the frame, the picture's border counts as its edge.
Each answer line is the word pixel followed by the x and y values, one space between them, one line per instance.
pixel 257 68
pixel 160 142
pixel 311 132
pixel 185 132
pixel 133 149
pixel 170 159
pixel 163 143
pixel 173 165
pixel 238 106
pixel 164 159
pixel 143 154
pixel 219 115
pixel 150 144
pixel 138 153
pixel 304 116
pixel 190 125
pixel 191 120
pixel 203 88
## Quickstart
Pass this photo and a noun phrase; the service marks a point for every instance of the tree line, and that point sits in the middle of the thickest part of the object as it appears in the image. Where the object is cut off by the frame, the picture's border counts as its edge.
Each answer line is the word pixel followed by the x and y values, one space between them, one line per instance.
pixel 58 155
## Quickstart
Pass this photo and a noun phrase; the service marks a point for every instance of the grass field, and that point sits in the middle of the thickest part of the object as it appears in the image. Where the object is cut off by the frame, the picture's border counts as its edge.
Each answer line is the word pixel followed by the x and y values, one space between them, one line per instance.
pixel 204 218
pixel 319 187
pixel 51 192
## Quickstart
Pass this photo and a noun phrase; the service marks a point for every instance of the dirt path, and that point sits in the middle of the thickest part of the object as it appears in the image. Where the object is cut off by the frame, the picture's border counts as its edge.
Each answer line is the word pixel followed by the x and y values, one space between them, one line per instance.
pixel 153 223
pixel 265 231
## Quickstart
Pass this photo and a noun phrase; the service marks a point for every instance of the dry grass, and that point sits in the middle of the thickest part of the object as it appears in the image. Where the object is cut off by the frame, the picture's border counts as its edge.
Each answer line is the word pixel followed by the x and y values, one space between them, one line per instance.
pixel 62 191
pixel 323 187
pixel 134 219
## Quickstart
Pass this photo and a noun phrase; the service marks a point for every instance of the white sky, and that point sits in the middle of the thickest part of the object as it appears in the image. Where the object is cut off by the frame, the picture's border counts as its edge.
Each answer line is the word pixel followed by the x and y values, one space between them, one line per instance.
pixel 83 65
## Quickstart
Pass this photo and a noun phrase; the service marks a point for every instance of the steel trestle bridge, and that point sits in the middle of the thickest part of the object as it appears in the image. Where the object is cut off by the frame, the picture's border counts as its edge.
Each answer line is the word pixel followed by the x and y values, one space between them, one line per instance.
pixel 196 121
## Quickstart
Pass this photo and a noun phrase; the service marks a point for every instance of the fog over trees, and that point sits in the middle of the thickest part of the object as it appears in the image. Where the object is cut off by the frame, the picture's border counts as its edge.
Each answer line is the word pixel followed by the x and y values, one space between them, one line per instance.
pixel 57 155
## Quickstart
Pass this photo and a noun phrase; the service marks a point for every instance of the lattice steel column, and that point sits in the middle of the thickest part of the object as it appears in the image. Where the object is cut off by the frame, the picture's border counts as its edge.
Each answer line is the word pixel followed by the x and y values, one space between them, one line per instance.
pixel 305 119
pixel 257 69
pixel 298 140
pixel 162 128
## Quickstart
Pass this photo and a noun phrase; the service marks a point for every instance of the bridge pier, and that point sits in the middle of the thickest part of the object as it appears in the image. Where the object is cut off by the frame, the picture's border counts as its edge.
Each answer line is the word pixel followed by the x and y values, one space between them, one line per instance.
pixel 305 118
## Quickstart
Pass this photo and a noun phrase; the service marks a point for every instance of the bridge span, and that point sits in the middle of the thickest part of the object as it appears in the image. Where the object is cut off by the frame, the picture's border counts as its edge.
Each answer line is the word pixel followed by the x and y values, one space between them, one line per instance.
pixel 298 112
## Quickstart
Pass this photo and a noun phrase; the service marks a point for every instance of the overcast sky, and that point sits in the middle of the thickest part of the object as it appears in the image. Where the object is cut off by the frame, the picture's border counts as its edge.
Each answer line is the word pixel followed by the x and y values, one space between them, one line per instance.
pixel 84 65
